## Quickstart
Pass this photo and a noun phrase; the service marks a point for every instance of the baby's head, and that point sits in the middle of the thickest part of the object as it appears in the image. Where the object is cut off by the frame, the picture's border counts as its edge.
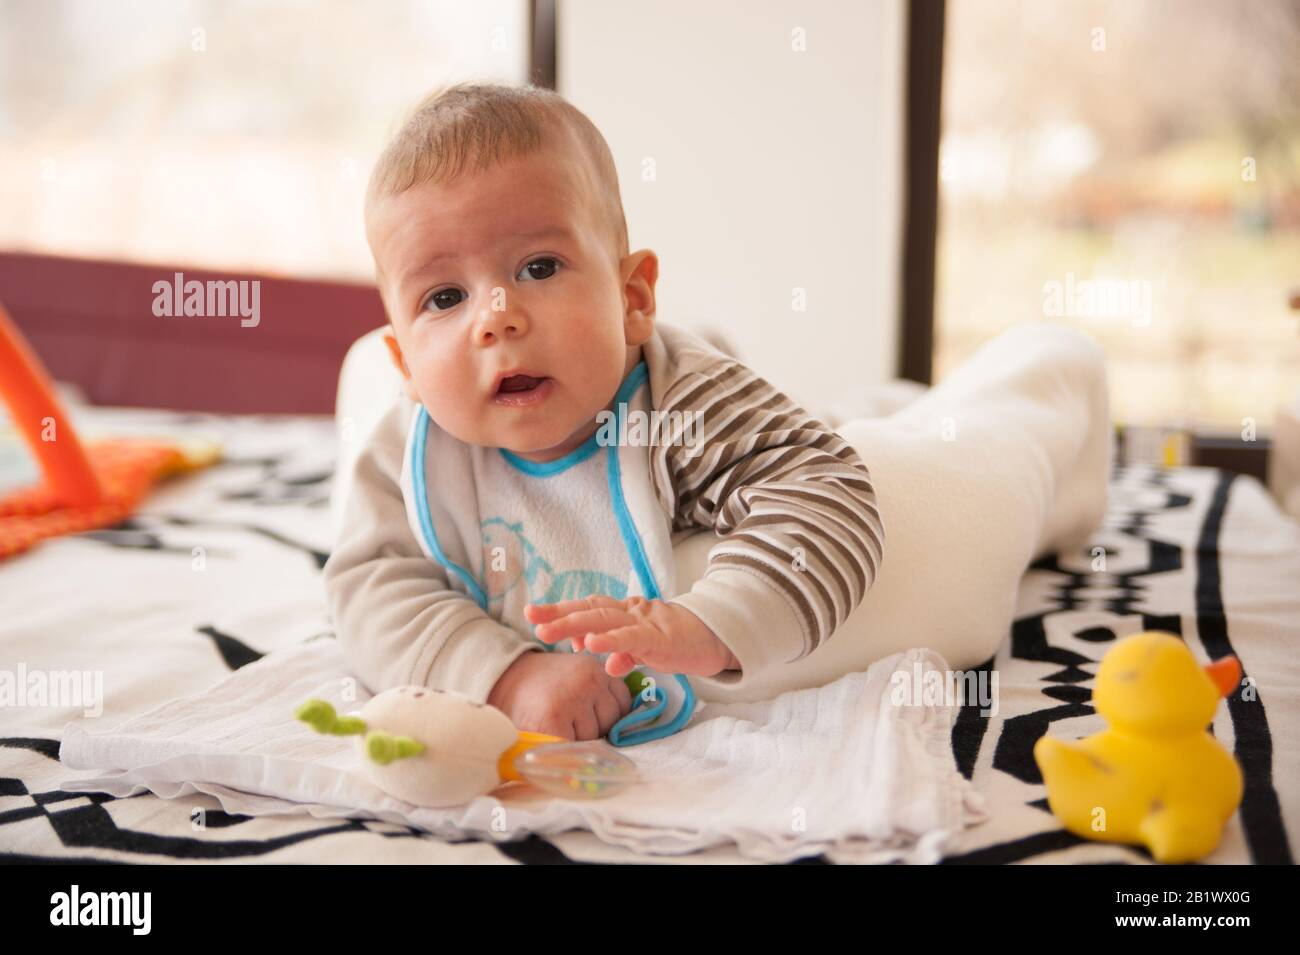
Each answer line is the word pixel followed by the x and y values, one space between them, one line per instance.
pixel 500 247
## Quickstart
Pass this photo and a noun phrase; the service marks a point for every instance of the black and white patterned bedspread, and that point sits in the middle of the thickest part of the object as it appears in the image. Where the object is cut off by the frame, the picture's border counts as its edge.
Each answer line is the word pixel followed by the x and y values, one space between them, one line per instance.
pixel 223 566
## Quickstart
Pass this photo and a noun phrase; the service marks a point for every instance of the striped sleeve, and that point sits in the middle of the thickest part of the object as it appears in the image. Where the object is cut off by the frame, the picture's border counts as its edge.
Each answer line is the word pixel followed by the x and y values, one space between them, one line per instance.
pixel 792 498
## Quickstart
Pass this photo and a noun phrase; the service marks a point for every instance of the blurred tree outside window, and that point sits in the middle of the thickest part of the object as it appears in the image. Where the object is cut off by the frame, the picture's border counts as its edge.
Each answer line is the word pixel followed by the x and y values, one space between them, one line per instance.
pixel 230 135
pixel 1131 168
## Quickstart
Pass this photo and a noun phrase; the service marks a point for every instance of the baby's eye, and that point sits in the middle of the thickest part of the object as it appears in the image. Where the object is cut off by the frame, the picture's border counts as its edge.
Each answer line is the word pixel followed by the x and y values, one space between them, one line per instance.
pixel 542 268
pixel 444 299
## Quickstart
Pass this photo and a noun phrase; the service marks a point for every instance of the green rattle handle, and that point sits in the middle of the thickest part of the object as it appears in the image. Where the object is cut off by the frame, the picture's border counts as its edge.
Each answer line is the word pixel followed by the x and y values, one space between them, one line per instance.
pixel 636 682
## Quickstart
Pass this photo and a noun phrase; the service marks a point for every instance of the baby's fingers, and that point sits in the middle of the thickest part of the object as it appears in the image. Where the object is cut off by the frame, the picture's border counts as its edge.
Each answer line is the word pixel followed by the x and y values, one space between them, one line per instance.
pixel 620 664
pixel 586 724
pixel 545 613
pixel 610 709
pixel 637 639
pixel 582 623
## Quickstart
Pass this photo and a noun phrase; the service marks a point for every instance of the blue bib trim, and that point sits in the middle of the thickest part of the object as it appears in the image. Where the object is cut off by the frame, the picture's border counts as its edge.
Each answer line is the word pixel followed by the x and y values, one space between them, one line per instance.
pixel 547 468
pixel 422 506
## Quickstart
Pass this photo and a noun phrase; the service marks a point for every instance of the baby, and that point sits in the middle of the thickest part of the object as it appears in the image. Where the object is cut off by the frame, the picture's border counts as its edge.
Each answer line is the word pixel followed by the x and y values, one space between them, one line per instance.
pixel 491 515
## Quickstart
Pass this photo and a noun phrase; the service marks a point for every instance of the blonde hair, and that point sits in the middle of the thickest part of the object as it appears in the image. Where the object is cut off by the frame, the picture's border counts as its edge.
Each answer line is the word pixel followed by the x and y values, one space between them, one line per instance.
pixel 471 126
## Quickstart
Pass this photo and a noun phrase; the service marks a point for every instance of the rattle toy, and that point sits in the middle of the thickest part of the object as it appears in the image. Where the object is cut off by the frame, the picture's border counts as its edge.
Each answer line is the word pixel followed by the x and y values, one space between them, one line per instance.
pixel 1156 776
pixel 439 748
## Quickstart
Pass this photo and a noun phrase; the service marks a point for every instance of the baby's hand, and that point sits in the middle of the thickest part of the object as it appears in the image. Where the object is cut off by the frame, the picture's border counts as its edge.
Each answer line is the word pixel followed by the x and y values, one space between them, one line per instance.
pixel 664 636
pixel 563 694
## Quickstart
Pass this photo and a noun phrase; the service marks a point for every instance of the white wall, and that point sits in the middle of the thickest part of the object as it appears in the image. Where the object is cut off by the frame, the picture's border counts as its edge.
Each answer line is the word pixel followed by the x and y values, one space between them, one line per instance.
pixel 774 169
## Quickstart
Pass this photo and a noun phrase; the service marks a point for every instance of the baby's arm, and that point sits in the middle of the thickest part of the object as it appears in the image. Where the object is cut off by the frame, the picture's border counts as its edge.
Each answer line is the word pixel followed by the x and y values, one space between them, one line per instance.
pixel 398 620
pixel 796 504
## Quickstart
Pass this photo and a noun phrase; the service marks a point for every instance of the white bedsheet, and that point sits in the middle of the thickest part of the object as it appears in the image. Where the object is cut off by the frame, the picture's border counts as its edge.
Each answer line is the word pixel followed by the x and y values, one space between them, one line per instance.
pixel 841 770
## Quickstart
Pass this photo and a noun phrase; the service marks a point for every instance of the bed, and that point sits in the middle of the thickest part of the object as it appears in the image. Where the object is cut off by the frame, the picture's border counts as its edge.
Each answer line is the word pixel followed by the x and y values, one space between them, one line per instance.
pixel 222 566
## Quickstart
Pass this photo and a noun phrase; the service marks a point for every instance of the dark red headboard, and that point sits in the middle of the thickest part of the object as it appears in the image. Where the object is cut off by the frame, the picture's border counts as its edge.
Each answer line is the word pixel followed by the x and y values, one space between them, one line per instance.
pixel 93 323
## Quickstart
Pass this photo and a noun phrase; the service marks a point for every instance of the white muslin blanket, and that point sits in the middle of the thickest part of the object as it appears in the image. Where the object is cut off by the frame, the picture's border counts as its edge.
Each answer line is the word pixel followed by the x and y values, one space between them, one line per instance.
pixel 861 770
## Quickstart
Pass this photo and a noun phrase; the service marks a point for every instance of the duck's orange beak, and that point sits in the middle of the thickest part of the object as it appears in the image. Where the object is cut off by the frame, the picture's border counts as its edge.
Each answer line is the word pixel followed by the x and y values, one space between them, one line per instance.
pixel 1225 673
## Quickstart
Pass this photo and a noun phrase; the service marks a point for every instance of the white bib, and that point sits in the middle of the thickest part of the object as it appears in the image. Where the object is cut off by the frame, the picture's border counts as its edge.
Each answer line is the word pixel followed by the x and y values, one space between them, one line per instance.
pixel 549 532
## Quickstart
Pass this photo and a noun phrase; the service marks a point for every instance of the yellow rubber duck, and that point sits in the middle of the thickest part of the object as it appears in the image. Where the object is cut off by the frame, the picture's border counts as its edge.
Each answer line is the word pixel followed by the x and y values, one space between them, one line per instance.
pixel 1156 776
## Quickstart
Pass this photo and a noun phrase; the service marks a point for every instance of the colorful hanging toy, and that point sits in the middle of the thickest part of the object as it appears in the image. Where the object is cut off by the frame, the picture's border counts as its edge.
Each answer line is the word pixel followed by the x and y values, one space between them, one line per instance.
pixel 85 486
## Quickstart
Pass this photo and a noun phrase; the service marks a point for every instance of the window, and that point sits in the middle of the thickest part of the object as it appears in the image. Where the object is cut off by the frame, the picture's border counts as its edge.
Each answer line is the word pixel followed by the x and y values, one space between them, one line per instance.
pixel 1131 168
pixel 229 135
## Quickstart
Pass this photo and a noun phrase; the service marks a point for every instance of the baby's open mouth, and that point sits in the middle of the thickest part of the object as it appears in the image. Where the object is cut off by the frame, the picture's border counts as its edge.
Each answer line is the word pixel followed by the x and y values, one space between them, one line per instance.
pixel 517 383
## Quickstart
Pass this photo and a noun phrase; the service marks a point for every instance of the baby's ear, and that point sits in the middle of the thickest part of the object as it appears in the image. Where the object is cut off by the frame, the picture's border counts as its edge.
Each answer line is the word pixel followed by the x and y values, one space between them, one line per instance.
pixel 641 270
